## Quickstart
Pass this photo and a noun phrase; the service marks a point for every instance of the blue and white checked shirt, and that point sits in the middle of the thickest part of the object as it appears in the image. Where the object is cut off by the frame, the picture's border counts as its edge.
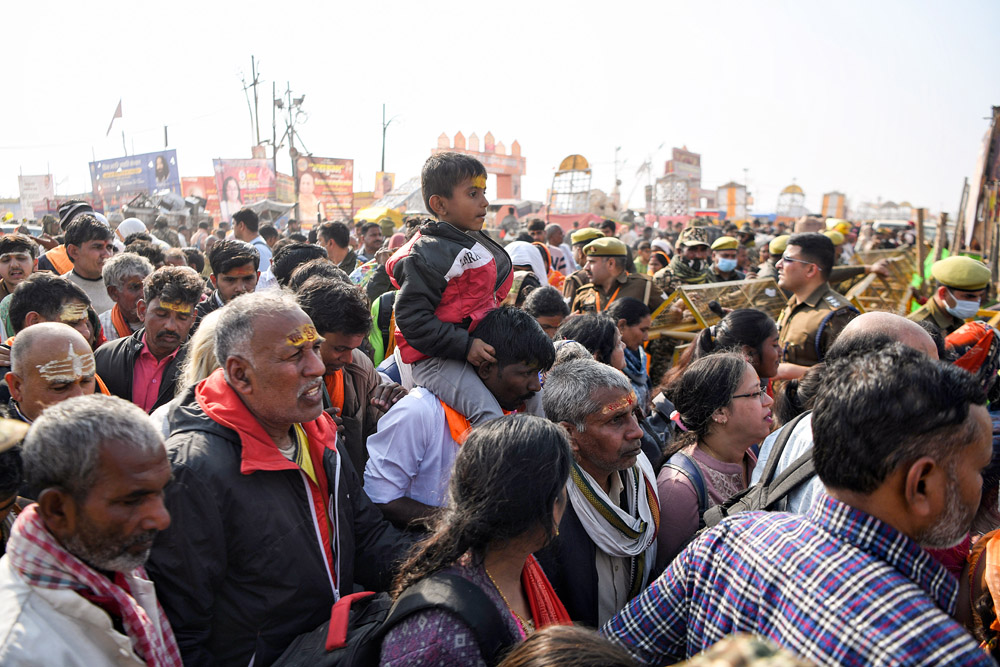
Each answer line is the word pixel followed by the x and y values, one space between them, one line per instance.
pixel 837 587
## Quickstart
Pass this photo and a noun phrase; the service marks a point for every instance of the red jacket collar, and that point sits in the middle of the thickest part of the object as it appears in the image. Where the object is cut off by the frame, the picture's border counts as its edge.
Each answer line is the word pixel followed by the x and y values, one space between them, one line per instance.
pixel 224 406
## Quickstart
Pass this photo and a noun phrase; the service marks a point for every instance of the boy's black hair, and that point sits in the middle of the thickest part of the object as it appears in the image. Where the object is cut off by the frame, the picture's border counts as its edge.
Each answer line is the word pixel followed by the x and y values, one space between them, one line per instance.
pixel 268 232
pixel 607 223
pixel 138 236
pixel 248 218
pixel 85 228
pixel 335 307
pixel 227 255
pixel 195 258
pixel 44 294
pixel 628 309
pixel 173 284
pixel 546 302
pixel 153 253
pixel 321 266
pixel 536 225
pixel 338 232
pixel 443 171
pixel 18 243
pixel 368 225
pixel 292 255
pixel 298 236
pixel 517 337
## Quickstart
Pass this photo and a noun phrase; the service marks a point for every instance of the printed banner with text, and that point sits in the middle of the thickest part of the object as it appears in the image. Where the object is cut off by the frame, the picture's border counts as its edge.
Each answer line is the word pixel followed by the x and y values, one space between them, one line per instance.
pixel 326 189
pixel 242 182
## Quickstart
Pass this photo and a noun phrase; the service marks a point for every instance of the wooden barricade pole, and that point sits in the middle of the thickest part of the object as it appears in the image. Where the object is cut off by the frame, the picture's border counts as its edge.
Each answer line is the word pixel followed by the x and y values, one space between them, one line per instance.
pixel 921 244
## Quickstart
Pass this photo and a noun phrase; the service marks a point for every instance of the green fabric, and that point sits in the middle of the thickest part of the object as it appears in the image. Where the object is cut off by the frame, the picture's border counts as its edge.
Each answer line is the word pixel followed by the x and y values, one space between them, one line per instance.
pixel 374 337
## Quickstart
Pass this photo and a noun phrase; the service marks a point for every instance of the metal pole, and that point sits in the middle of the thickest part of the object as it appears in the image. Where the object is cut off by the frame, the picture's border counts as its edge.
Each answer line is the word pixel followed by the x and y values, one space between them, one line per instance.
pixel 384 126
pixel 256 110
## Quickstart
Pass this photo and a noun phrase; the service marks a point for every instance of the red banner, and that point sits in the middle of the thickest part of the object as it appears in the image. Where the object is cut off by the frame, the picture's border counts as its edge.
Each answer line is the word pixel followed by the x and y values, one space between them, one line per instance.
pixel 204 187
pixel 242 182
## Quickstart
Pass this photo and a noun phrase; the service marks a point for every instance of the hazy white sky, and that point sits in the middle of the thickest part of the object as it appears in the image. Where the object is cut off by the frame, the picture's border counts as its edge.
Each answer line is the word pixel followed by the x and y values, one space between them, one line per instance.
pixel 875 99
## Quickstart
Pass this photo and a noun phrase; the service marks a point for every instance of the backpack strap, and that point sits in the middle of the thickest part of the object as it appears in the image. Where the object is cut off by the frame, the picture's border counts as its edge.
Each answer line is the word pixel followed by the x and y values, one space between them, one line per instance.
pixel 798 472
pixel 462 598
pixel 686 466
pixel 779 447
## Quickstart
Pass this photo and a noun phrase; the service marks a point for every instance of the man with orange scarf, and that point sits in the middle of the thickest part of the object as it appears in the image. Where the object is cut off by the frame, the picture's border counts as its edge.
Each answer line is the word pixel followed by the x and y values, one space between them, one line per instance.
pixel 123 275
pixel 270 523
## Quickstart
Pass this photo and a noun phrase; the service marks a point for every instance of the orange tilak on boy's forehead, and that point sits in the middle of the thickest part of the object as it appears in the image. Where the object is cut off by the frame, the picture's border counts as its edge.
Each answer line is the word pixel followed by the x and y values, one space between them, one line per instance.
pixel 479 182
pixel 240 271
pixel 72 312
pixel 622 403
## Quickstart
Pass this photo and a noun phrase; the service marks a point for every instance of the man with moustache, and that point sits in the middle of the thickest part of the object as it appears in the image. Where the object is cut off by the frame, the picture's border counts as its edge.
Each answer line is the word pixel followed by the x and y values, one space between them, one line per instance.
pixel 411 455
pixel 901 442
pixel 72 586
pixel 271 525
pixel 143 367
pixel 606 546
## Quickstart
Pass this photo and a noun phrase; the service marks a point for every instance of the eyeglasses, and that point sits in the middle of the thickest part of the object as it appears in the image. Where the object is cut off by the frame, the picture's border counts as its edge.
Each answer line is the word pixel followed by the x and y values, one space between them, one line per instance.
pixel 759 394
pixel 786 258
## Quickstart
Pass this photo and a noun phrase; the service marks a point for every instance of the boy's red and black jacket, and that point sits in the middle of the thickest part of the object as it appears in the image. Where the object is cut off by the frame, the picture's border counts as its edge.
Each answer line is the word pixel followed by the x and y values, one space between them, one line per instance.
pixel 448 280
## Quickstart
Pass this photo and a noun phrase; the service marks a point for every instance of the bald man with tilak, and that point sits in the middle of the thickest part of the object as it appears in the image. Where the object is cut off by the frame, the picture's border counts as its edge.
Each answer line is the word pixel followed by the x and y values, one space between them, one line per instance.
pixel 866 332
pixel 50 362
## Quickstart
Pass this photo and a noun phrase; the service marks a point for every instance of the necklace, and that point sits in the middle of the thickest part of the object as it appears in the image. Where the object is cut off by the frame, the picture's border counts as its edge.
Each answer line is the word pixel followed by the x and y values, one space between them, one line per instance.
pixel 527 627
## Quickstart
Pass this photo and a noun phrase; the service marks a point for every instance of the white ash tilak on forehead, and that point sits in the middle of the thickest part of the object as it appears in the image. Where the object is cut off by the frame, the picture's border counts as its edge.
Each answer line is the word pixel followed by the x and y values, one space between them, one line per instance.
pixel 70 368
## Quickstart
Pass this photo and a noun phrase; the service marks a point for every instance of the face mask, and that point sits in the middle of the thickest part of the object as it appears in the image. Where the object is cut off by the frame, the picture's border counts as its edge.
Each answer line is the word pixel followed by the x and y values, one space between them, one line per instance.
pixel 726 265
pixel 694 264
pixel 963 310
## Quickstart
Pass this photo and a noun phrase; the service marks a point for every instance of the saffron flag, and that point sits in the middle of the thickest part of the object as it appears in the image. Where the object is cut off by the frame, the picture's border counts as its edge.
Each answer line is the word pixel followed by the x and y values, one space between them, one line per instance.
pixel 118 114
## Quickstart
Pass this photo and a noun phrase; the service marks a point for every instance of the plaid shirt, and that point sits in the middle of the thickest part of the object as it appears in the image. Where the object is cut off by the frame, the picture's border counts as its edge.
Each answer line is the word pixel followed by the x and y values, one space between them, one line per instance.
pixel 838 587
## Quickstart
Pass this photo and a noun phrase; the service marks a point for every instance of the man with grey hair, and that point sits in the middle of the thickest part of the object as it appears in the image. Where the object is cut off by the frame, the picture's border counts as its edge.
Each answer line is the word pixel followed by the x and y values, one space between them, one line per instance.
pixel 866 332
pixel 123 275
pixel 606 548
pixel 72 586
pixel 272 525
pixel 51 362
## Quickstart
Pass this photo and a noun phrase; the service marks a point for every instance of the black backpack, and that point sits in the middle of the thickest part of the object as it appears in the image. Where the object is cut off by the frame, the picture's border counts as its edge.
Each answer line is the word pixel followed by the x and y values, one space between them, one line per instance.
pixel 768 494
pixel 359 622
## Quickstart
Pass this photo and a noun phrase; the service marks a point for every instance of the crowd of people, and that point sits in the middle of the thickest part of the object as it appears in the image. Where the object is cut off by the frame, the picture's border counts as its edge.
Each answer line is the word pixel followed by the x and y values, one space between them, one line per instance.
pixel 217 439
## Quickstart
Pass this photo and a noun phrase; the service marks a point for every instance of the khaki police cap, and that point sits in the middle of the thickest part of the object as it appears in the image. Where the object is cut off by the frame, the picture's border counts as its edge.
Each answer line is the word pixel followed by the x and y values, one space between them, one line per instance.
pixel 725 243
pixel 962 273
pixel 605 247
pixel 778 244
pixel 585 235
pixel 835 236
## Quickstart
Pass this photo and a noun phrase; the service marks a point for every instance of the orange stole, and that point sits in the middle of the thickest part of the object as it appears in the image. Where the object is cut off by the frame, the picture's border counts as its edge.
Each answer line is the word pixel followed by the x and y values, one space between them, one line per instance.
pixel 458 425
pixel 335 387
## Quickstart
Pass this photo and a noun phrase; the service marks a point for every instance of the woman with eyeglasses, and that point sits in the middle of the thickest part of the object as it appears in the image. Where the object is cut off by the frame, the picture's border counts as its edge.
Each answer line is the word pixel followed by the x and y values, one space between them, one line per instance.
pixel 721 412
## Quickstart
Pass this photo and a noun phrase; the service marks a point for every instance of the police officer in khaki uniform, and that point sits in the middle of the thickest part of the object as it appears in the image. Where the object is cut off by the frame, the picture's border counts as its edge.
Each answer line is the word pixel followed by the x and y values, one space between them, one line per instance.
pixel 769 268
pixel 606 261
pixel 578 279
pixel 814 315
pixel 962 283
pixel 724 251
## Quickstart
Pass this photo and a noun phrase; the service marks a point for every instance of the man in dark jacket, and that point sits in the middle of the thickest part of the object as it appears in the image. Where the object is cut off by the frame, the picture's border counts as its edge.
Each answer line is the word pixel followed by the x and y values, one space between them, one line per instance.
pixel 143 367
pixel 270 523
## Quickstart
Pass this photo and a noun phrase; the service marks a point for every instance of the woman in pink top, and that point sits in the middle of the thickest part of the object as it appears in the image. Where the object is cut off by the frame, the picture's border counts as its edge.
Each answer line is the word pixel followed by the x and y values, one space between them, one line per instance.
pixel 721 411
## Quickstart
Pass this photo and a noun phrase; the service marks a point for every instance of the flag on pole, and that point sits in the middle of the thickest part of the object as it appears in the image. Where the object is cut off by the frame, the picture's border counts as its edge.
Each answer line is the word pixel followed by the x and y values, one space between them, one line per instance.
pixel 118 114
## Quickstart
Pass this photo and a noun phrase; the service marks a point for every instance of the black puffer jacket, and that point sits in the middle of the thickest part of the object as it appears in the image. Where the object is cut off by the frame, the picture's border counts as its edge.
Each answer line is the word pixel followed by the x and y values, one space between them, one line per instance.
pixel 240 571
pixel 116 365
